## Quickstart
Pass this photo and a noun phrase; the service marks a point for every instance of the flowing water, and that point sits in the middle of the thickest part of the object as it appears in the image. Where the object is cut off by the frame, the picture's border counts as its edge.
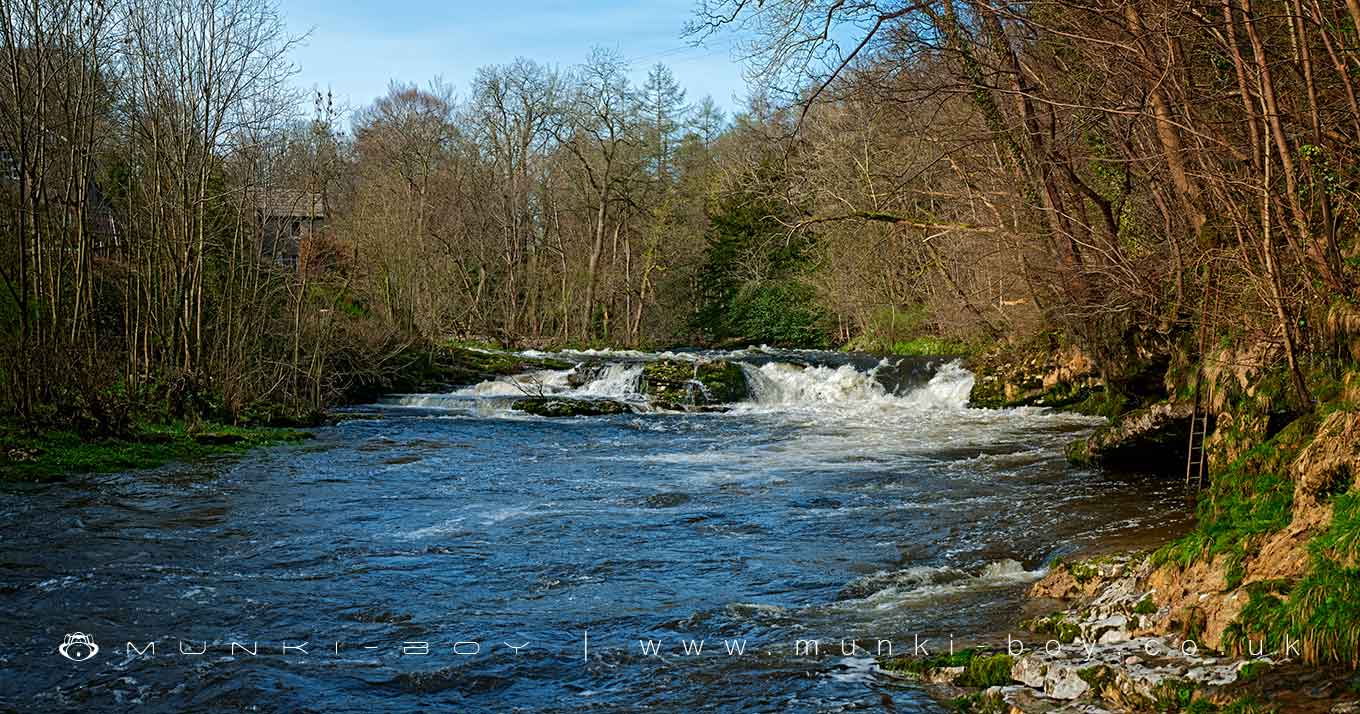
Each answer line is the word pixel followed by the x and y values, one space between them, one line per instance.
pixel 457 556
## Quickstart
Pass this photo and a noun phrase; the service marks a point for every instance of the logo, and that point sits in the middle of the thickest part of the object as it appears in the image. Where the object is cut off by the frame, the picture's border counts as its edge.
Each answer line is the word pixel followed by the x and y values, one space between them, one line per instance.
pixel 78 647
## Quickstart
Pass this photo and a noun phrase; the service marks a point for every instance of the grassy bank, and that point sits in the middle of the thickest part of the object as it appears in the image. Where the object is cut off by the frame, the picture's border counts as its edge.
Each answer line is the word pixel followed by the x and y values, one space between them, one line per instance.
pixel 156 433
pixel 50 455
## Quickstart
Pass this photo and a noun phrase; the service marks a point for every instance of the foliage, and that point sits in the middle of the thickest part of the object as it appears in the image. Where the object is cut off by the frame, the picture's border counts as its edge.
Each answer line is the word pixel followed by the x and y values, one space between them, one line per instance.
pixel 780 313
pixel 980 669
pixel 1251 498
pixel 748 286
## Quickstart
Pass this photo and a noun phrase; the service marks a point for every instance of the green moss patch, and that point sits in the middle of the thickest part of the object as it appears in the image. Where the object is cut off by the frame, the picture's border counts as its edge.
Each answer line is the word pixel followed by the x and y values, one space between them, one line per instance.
pixel 561 407
pixel 1251 498
pixel 51 455
pixel 980 669
pixel 678 382
pixel 1057 626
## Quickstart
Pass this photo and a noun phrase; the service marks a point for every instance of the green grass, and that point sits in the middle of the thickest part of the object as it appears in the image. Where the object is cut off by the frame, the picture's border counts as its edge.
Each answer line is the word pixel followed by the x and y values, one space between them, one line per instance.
pixel 1056 625
pixel 980 669
pixel 1146 606
pixel 1318 612
pixel 1342 538
pixel 932 347
pixel 52 455
pixel 1251 498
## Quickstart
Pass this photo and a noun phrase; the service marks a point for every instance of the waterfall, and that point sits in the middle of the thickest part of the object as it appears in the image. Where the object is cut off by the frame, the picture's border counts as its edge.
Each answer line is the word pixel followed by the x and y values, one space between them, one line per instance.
pixel 784 384
pixel 617 380
pixel 791 380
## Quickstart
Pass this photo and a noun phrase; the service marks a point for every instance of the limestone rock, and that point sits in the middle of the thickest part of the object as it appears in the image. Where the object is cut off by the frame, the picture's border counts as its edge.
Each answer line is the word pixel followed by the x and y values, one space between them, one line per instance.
pixel 566 407
pixel 1036 373
pixel 1151 438
pixel 699 383
pixel 1053 675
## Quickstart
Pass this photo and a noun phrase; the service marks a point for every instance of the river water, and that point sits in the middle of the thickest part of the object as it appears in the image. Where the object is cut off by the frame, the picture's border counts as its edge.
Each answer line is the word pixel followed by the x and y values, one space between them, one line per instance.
pixel 457 556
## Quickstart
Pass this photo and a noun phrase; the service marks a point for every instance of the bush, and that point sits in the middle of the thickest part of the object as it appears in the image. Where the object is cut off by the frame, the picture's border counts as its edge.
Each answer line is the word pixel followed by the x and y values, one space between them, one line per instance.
pixel 781 312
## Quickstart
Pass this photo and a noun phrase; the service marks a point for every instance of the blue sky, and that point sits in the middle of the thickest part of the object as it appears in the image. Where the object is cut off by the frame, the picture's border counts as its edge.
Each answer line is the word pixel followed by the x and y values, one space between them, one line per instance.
pixel 357 47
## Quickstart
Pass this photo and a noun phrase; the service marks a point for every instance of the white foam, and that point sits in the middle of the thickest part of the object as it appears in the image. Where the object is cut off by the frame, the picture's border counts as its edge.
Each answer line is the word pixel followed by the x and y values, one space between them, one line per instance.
pixel 780 384
pixel 618 380
pixel 928 583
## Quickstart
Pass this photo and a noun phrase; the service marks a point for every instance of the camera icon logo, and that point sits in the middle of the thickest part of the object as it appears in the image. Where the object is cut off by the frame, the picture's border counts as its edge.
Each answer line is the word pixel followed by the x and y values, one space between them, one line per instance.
pixel 78 647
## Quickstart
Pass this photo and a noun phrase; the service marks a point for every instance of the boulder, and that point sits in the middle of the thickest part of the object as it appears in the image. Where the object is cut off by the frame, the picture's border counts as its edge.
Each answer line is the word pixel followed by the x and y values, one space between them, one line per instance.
pixel 585 373
pixel 565 407
pixel 1152 438
pixel 700 383
pixel 1053 675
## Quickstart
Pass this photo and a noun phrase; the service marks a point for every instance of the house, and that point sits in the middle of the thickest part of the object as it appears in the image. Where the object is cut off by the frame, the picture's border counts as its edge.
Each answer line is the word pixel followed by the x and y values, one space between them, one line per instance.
pixel 100 224
pixel 286 217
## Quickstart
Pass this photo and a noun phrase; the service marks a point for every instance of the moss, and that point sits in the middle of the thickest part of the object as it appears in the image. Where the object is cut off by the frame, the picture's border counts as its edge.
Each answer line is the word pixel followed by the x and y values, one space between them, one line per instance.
pixel 1083 571
pixel 920 666
pixel 428 369
pixel 1101 402
pixel 694 383
pixel 1146 606
pixel 980 703
pixel 1252 671
pixel 930 346
pixel 1193 626
pixel 52 455
pixel 1097 678
pixel 980 669
pixel 1174 695
pixel 1247 705
pixel 1056 626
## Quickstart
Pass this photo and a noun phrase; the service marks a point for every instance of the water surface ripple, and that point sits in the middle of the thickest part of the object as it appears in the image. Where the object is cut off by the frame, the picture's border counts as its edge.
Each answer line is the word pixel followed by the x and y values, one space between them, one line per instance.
pixel 830 506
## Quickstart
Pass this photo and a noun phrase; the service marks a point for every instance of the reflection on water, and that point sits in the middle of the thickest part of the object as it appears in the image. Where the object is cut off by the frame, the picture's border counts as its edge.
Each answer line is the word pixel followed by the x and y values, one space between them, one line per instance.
pixel 839 503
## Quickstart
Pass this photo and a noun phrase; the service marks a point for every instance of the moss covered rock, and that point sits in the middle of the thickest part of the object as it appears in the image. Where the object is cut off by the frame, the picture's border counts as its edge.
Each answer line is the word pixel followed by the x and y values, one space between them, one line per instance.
pixel 1153 438
pixel 701 383
pixel 1038 372
pixel 565 407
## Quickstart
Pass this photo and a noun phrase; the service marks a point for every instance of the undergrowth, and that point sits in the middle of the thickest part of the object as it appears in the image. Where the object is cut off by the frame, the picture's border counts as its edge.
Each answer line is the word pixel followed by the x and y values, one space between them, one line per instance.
pixel 1251 498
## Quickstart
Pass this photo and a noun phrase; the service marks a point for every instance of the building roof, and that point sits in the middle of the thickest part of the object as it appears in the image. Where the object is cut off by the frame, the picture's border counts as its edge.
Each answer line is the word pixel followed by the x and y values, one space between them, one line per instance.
pixel 290 203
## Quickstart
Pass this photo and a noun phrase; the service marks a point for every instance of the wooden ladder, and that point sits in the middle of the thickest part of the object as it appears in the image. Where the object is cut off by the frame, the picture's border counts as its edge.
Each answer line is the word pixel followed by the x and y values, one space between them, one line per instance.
pixel 1199 416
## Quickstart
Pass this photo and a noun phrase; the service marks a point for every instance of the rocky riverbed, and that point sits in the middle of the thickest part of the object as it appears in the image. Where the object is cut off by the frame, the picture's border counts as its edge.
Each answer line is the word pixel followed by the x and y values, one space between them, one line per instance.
pixel 1109 648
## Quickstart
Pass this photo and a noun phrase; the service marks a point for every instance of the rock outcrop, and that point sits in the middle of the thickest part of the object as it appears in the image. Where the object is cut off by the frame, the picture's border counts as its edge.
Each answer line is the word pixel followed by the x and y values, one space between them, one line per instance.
pixel 1153 438
pixel 566 407
pixel 679 383
pixel 1038 372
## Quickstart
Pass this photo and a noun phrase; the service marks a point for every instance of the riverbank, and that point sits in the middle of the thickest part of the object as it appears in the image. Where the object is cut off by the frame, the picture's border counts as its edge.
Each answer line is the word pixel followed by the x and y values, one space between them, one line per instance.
pixel 50 455
pixel 1257 609
pixel 1108 649
pixel 155 427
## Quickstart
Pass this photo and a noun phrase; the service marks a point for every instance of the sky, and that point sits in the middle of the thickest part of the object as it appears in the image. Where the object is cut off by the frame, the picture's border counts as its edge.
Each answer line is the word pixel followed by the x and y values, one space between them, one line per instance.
pixel 356 47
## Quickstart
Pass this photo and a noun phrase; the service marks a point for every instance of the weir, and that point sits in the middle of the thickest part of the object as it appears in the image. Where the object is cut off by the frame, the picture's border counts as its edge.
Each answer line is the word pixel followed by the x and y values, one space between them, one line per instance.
pixel 774 378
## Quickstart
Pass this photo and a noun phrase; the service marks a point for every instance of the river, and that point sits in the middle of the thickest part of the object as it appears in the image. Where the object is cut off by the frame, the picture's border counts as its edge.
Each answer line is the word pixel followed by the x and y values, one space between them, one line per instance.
pixel 454 555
